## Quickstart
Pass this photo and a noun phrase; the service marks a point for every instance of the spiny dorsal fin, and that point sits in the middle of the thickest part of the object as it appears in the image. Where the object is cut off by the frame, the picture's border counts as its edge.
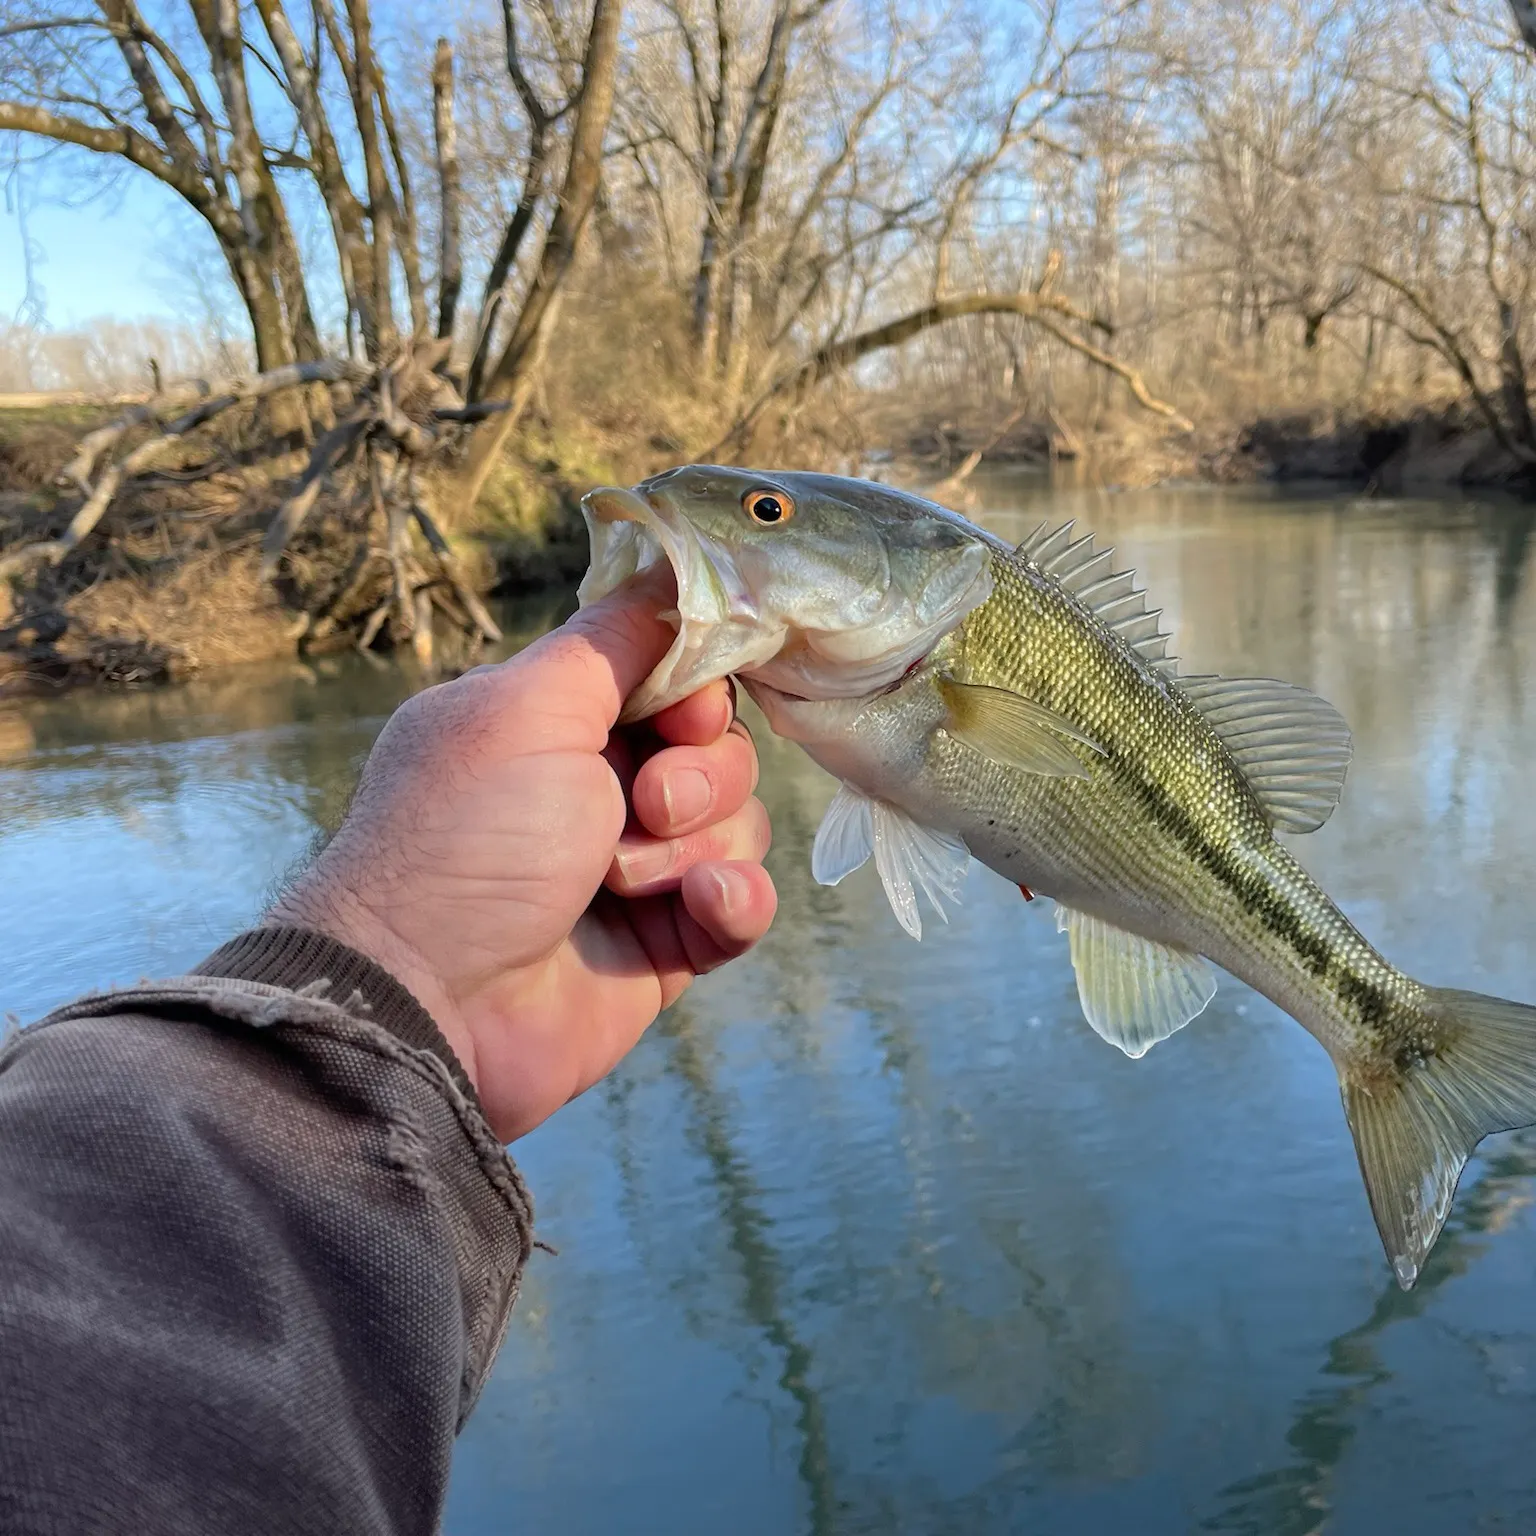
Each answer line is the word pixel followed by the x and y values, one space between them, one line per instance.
pixel 1111 596
pixel 1293 747
pixel 1134 991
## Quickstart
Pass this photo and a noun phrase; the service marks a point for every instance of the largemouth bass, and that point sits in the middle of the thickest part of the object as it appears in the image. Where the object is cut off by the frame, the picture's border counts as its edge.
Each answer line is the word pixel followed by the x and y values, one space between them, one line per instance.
pixel 1018 705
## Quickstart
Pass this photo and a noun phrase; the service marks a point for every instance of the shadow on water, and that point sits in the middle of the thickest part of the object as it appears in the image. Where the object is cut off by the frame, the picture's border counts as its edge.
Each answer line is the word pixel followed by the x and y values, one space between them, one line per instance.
pixel 747 1225
pixel 1295 1500
pixel 1513 551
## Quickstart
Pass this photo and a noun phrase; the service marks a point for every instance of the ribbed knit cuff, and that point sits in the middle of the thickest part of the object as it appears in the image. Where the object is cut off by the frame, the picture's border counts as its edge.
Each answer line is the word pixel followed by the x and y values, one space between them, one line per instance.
pixel 294 958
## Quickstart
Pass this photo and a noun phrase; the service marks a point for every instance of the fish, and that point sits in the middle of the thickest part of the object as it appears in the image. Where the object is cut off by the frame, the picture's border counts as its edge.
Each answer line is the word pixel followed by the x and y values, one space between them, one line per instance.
pixel 1018 705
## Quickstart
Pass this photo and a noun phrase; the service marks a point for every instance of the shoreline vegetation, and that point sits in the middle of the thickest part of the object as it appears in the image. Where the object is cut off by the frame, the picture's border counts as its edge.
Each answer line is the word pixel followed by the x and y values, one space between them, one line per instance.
pixel 173 580
pixel 451 281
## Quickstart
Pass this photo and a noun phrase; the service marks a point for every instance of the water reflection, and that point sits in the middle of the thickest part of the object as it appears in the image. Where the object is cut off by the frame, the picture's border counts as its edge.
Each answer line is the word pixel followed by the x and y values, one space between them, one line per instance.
pixel 872 1236
pixel 749 1236
pixel 1295 1499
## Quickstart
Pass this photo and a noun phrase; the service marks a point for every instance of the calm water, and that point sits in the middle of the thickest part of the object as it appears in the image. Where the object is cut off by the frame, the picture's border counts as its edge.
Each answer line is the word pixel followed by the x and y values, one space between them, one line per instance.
pixel 877 1236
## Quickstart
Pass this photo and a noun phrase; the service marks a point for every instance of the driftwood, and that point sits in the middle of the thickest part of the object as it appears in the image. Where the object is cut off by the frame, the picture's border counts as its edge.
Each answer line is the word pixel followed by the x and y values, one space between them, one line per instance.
pixel 404 419
pixel 95 445
pixel 213 397
pixel 460 588
pixel 403 416
pixel 328 453
pixel 951 484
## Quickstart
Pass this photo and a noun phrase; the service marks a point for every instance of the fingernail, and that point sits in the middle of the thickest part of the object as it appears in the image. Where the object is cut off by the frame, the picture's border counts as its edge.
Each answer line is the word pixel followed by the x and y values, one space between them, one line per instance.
pixel 643 862
pixel 733 888
pixel 686 793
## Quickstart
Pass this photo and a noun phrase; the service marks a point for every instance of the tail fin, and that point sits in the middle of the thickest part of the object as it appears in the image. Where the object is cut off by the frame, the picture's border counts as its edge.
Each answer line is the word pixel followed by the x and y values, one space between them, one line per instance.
pixel 1415 1135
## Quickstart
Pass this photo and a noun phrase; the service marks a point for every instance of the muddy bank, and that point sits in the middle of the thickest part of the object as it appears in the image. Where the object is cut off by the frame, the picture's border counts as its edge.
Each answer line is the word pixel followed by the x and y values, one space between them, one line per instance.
pixel 1439 447
pixel 135 612
pixel 1428 448
pixel 176 576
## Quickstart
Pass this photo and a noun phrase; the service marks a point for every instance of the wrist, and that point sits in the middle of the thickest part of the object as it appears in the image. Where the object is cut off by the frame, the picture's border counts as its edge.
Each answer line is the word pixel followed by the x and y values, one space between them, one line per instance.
pixel 340 916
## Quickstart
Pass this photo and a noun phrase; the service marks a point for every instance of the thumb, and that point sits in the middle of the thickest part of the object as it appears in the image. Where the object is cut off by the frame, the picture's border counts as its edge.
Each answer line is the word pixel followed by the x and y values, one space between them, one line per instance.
pixel 604 651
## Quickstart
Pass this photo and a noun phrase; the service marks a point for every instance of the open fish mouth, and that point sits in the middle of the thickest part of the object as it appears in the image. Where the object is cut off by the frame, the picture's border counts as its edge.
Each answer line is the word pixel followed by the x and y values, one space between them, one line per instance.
pixel 817 619
pixel 720 627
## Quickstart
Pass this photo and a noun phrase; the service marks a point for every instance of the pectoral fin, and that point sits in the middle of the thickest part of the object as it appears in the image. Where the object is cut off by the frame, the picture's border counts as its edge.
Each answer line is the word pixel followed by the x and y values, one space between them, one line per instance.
pixel 910 857
pixel 1134 992
pixel 1013 730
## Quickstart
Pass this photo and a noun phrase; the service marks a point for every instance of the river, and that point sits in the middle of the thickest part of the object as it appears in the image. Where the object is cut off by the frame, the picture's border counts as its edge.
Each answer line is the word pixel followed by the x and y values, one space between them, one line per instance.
pixel 873 1236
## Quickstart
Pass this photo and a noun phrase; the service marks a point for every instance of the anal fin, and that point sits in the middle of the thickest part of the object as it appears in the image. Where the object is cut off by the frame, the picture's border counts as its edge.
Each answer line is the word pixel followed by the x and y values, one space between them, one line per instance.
pixel 1134 991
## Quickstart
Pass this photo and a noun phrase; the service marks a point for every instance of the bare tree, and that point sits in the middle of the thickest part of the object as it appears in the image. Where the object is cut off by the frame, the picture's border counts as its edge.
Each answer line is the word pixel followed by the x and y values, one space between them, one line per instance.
pixel 186 114
pixel 508 380
pixel 1042 307
pixel 1454 272
pixel 450 264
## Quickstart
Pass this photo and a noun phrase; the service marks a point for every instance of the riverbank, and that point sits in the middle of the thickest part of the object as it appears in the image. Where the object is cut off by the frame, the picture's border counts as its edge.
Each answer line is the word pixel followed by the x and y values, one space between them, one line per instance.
pixel 1430 448
pixel 170 585
pixel 176 577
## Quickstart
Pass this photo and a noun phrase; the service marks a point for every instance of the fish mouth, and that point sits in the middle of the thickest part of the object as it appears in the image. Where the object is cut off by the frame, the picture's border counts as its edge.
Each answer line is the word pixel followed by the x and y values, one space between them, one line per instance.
pixel 720 628
pixel 626 534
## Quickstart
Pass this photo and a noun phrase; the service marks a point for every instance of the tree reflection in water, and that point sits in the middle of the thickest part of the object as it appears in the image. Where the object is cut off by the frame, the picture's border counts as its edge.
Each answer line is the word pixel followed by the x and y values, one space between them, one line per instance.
pixel 884 1224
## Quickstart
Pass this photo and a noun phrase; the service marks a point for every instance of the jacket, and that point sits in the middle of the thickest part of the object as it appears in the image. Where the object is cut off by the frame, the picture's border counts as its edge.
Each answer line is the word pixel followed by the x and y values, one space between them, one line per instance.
pixel 258 1249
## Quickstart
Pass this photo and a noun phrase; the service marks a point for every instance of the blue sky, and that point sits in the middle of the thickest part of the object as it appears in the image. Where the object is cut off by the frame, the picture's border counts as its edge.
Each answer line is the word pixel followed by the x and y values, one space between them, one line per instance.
pixel 123 252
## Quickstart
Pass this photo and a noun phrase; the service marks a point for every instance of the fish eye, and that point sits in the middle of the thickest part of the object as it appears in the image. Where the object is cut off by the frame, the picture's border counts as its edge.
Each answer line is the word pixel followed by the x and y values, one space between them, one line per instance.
pixel 768 507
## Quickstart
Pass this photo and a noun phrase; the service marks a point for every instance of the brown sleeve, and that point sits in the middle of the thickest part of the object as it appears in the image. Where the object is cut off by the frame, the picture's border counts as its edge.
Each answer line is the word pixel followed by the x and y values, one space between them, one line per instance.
pixel 258 1248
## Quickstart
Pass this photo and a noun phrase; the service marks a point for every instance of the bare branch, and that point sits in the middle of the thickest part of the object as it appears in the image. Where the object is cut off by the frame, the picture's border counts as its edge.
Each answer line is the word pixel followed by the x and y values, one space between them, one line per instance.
pixel 1451 347
pixel 489 629
pixel 231 392
pixel 512 377
pixel 125 141
pixel 54 24
pixel 839 355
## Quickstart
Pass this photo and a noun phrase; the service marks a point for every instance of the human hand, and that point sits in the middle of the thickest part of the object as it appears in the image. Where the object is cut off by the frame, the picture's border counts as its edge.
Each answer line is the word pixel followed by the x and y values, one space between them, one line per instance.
pixel 542 884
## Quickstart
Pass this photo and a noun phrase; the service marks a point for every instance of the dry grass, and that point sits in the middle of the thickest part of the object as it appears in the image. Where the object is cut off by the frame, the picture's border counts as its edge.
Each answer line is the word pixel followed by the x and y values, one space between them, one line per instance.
pixel 208 610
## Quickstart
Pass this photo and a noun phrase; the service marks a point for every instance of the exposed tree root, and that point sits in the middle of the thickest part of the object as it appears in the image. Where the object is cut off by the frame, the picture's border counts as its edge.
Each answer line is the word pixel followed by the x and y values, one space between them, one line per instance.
pixel 352 547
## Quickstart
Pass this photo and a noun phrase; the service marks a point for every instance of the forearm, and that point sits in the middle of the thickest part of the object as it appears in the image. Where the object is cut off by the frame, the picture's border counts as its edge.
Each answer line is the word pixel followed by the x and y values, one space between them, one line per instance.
pixel 257 1251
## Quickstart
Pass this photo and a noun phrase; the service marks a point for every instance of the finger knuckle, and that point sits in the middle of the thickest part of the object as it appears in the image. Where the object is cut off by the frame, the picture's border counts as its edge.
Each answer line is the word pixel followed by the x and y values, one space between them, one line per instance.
pixel 761 825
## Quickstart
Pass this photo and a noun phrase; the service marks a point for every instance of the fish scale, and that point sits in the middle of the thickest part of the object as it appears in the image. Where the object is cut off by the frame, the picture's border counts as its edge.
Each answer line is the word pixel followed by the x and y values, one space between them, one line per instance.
pixel 1017 705
pixel 1166 838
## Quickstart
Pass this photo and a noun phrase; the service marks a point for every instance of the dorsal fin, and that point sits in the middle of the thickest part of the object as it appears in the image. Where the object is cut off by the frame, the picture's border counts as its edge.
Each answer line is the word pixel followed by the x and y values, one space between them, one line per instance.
pixel 1111 596
pixel 1293 747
